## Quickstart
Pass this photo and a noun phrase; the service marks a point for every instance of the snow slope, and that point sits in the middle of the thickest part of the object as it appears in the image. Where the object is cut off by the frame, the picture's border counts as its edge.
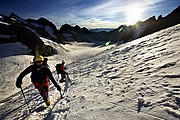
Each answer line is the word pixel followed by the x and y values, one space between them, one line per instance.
pixel 107 82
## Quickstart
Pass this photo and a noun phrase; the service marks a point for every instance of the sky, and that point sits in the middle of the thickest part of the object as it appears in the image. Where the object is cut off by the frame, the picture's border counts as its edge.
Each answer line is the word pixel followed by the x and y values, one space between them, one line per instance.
pixel 89 13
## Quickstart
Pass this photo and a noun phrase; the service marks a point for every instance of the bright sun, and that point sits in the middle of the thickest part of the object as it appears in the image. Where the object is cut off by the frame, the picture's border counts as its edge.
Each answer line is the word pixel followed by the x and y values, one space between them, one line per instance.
pixel 134 14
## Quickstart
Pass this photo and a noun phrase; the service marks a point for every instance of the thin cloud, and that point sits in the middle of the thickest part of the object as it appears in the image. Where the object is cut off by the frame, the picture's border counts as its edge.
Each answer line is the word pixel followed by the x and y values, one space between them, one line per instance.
pixel 108 8
pixel 149 2
pixel 98 23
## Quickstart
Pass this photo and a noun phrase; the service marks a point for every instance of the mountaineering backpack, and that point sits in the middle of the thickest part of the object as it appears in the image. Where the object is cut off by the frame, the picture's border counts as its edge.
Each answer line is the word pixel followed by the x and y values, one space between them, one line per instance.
pixel 58 68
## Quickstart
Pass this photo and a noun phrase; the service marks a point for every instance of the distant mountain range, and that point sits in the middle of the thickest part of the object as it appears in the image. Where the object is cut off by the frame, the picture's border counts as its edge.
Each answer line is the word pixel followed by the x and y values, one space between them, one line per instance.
pixel 101 29
pixel 28 31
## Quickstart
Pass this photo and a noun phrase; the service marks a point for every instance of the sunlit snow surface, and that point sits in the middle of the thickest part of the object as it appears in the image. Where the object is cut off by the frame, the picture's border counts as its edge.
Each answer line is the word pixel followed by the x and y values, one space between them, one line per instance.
pixel 106 82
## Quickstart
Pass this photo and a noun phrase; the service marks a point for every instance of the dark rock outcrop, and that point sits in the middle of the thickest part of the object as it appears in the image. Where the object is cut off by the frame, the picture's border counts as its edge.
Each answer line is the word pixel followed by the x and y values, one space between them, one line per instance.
pixel 18 33
pixel 77 33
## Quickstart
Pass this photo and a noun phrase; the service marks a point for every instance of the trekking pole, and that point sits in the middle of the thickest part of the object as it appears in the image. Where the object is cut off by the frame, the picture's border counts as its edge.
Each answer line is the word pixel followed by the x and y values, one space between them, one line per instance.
pixel 25 100
pixel 61 95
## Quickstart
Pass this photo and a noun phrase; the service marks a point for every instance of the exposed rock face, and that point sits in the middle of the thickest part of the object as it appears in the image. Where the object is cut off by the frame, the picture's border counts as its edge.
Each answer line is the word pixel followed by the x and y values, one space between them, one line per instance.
pixel 45 22
pixel 29 39
pixel 77 33
pixel 41 27
pixel 18 33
